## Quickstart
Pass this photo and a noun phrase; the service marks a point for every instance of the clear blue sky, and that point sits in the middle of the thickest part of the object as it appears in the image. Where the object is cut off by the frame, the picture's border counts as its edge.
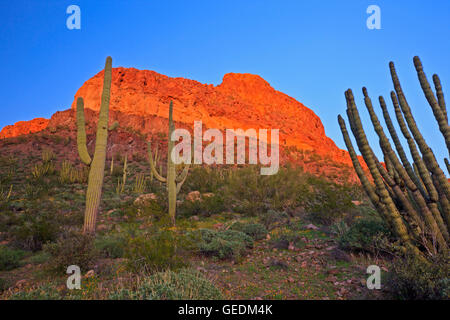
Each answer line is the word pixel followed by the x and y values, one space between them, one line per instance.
pixel 311 50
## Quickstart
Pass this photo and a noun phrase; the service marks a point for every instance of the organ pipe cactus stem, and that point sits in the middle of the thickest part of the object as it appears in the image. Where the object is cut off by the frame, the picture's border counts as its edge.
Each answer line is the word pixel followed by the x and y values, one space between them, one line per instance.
pixel 358 168
pixel 427 153
pixel 422 170
pixel 440 95
pixel 447 164
pixel 398 146
pixel 435 106
pixel 391 210
pixel 420 212
pixel 431 214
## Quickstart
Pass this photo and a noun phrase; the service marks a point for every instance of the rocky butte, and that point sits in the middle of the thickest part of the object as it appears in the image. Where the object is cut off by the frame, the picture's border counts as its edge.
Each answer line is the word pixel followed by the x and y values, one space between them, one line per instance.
pixel 140 100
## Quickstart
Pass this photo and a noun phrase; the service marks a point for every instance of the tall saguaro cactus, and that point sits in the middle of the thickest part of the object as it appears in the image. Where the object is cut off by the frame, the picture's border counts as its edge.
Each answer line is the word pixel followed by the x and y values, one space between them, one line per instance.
pixel 172 180
pixel 97 164
pixel 413 199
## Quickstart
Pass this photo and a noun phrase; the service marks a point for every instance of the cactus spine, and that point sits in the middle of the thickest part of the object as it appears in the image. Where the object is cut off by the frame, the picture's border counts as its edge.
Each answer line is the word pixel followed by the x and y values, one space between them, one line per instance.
pixel 97 164
pixel 413 199
pixel 173 180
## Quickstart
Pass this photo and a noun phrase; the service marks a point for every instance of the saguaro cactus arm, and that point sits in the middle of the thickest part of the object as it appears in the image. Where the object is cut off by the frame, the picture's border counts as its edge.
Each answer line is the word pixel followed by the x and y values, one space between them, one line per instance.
pixel 152 163
pixel 81 133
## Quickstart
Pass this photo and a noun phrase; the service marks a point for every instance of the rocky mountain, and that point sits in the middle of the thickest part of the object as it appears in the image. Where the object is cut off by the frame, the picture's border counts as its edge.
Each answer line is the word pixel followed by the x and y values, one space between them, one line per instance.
pixel 140 99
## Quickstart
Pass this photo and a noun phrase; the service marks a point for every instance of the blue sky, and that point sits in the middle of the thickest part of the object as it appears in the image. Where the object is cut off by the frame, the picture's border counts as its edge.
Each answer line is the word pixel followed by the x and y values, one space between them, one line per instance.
pixel 310 50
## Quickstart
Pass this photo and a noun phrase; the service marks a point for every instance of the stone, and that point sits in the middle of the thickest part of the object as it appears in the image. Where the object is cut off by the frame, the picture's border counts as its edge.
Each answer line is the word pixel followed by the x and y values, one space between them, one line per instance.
pixel 193 196
pixel 145 199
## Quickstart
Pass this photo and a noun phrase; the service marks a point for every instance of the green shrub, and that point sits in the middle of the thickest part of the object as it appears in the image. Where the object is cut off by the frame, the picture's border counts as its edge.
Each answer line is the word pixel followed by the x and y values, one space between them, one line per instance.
pixel 38 225
pixel 158 251
pixel 9 258
pixel 185 284
pixel 204 179
pixel 272 219
pixel 43 292
pixel 255 230
pixel 4 284
pixel 73 248
pixel 366 234
pixel 40 257
pixel 251 193
pixel 111 246
pixel 204 207
pixel 412 279
pixel 327 202
pixel 224 244
pixel 283 240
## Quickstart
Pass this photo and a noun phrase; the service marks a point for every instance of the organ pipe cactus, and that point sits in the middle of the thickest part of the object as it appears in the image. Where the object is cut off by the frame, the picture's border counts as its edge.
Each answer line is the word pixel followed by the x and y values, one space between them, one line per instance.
pixel 412 198
pixel 172 180
pixel 97 164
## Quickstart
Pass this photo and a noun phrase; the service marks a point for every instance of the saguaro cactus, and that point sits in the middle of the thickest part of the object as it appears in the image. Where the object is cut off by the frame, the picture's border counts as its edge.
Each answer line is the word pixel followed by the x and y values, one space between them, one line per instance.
pixel 172 180
pixel 413 199
pixel 97 164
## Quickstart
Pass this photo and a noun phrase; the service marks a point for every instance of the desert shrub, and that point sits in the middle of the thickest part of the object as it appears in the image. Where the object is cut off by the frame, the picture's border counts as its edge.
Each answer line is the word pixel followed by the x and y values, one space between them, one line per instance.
pixel 4 284
pixel 204 207
pixel 35 227
pixel 255 230
pixel 111 246
pixel 367 234
pixel 272 219
pixel 414 279
pixel 158 251
pixel 327 201
pixel 283 240
pixel 43 292
pixel 185 284
pixel 252 193
pixel 40 257
pixel 204 179
pixel 72 248
pixel 224 244
pixel 10 258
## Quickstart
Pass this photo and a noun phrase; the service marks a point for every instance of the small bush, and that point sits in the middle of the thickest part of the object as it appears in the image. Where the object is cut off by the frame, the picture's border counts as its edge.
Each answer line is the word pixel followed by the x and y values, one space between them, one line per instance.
pixel 35 227
pixel 225 244
pixel 4 284
pixel 255 230
pixel 44 292
pixel 111 246
pixel 327 202
pixel 411 279
pixel 155 252
pixel 365 235
pixel 204 207
pixel 9 258
pixel 185 284
pixel 72 248
pixel 272 219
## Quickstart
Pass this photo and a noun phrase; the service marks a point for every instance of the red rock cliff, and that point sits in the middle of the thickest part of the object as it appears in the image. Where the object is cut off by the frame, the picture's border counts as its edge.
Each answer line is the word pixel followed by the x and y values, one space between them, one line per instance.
pixel 240 101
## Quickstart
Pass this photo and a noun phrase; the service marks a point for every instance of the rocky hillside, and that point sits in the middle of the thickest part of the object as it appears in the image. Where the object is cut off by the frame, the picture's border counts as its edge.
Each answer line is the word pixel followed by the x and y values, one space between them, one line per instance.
pixel 140 99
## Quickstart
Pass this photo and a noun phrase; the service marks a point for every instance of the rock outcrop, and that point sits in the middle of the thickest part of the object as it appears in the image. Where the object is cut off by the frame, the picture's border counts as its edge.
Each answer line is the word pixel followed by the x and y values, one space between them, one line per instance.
pixel 140 100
